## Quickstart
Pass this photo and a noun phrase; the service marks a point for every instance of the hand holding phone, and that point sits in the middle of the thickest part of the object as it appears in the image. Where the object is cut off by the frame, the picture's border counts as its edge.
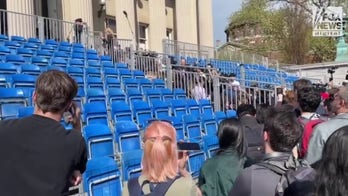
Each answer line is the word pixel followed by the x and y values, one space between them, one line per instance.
pixel 73 116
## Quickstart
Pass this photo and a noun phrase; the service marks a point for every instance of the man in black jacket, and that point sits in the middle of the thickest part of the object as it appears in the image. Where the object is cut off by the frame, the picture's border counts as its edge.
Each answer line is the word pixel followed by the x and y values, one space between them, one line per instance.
pixel 38 156
pixel 282 133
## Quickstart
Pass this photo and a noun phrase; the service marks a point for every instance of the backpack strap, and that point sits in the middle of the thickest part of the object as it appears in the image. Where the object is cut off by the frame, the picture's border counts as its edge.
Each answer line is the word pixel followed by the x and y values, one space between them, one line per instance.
pixel 163 187
pixel 307 134
pixel 134 186
pixel 273 168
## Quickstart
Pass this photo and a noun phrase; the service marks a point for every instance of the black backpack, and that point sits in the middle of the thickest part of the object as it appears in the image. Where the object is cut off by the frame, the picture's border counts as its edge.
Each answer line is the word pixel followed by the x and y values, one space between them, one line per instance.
pixel 300 174
pixel 135 189
pixel 255 143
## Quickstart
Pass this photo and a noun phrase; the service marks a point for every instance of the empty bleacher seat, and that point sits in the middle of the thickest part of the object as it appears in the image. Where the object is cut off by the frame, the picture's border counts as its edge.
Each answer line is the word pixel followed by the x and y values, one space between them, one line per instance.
pixel 158 83
pixel 160 109
pixel 116 94
pixel 95 95
pixel 25 111
pixel 179 93
pixel 8 69
pixel 195 162
pixel 99 141
pixel 112 83
pixel 18 39
pixel 102 177
pixel 95 113
pixel 153 95
pixel 40 61
pixel 127 136
pixel 210 145
pixel 193 107
pixel 192 127
pixel 76 63
pixel 209 124
pixel 231 114
pixel 167 94
pixel 58 61
pixel 206 106
pixel 11 99
pixel 142 113
pixel 30 69
pixel 178 107
pixel 34 40
pixel 121 111
pixel 15 59
pixel 219 116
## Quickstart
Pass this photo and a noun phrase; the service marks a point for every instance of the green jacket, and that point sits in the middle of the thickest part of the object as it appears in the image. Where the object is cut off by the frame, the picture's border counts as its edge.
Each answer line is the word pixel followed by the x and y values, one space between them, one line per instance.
pixel 218 174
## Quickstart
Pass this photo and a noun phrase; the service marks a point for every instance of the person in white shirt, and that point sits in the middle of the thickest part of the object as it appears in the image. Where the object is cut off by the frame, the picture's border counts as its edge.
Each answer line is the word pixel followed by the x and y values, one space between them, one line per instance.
pixel 232 92
pixel 198 92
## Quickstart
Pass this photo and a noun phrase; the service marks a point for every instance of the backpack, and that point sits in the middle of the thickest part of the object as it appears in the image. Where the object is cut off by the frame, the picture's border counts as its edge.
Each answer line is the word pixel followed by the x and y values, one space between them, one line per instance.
pixel 290 176
pixel 308 126
pixel 255 143
pixel 135 189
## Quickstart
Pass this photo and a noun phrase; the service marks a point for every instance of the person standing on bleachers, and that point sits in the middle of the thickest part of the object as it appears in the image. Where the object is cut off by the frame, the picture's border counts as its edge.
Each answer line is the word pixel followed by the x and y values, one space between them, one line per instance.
pixel 78 28
pixel 38 155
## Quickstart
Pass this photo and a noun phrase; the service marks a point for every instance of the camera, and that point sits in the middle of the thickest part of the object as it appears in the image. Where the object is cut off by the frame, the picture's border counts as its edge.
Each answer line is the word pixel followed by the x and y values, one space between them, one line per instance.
pixel 331 70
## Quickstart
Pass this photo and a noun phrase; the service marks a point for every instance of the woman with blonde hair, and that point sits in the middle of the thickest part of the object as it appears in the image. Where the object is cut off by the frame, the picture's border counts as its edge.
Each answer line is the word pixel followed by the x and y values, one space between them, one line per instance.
pixel 164 170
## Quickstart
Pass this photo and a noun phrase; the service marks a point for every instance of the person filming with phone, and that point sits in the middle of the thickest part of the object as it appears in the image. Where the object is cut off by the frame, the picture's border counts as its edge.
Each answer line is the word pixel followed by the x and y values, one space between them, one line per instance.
pixel 164 167
pixel 39 156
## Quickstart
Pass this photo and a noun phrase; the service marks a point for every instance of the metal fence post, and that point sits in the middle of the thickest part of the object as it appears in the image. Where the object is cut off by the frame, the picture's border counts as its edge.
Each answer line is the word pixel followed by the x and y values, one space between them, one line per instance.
pixel 217 94
pixel 40 26
pixel 169 71
pixel 132 58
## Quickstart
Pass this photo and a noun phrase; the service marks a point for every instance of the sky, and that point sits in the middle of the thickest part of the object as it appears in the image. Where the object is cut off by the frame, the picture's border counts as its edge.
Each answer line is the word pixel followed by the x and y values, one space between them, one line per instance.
pixel 222 9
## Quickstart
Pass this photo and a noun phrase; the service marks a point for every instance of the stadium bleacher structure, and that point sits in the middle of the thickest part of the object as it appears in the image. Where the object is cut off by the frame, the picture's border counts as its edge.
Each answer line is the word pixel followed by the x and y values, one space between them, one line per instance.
pixel 117 104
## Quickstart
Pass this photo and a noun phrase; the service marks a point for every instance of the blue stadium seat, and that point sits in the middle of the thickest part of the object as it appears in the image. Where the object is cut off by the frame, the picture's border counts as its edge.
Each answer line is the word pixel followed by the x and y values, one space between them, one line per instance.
pixel 33 47
pixel 167 94
pixel 40 61
pixel 78 50
pixel 124 73
pixel 231 114
pixel 95 113
pixel 102 177
pixel 15 59
pixel 178 107
pixel 160 109
pixel 158 83
pixel 18 39
pixel 138 74
pixel 51 42
pixel 121 66
pixel 110 73
pixel 95 95
pixel 26 53
pixel 25 111
pixel 179 93
pixel 30 69
pixel 209 124
pixel 59 62
pixel 8 69
pixel 65 43
pixel 75 71
pixel 127 136
pixel 12 45
pixel 219 116
pixel 34 40
pixel 49 48
pixel 121 111
pixel 195 162
pixel 99 141
pixel 92 57
pixel 116 94
pixel 105 58
pixel 23 81
pixel 192 127
pixel 93 72
pixel 5 81
pixel 206 106
pixel 107 64
pixel 129 83
pixel 94 82
pixel 210 145
pixel 153 95
pixel 112 83
pixel 142 113
pixel 11 99
pixel 76 63
pixel 52 67
pixel 91 51
pixel 3 39
pixel 80 81
pixel 66 49
pixel 144 84
pixel 78 55
pixel 93 63
pixel 133 95
pixel 193 107
pixel 79 99
pixel 44 53
pixel 77 45
pixel 4 51
pixel 131 164
pixel 62 54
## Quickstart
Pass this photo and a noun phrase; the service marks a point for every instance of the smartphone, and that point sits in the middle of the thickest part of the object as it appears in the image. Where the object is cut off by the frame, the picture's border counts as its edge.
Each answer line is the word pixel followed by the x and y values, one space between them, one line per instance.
pixel 69 114
pixel 189 146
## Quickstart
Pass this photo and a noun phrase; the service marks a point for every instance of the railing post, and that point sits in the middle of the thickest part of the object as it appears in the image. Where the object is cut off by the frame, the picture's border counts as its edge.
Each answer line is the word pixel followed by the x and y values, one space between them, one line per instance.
pixel 242 74
pixel 169 71
pixel 132 58
pixel 41 26
pixel 217 93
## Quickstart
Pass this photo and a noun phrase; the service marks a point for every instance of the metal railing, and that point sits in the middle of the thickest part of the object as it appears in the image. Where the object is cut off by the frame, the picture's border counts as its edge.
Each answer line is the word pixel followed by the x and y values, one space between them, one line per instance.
pixel 177 48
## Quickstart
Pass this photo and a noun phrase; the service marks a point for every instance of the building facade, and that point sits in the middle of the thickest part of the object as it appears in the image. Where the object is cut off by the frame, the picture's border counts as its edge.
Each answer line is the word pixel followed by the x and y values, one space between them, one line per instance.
pixel 145 22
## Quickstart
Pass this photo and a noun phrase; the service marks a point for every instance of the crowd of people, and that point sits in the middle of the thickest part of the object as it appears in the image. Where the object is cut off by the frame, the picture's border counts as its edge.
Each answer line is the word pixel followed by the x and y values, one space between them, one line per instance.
pixel 290 148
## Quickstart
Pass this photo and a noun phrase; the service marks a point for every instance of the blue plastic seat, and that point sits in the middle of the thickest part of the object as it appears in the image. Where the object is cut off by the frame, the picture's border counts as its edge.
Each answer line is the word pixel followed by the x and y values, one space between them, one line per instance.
pixel 50 48
pixel 121 111
pixel 179 93
pixel 210 145
pixel 209 124
pixel 192 127
pixel 158 83
pixel 8 69
pixel 99 141
pixel 231 114
pixel 26 53
pixel 78 55
pixel 160 109
pixel 195 162
pixel 112 83
pixel 65 43
pixel 95 113
pixel 33 47
pixel 144 84
pixel 93 63
pixel 131 164
pixel 121 66
pixel 63 48
pixel 40 61
pixel 18 39
pixel 34 40
pixel 23 81
pixel 52 67
pixel 58 61
pixel 94 82
pixel 3 39
pixel 127 136
pixel 30 69
pixel 206 106
pixel 15 59
pixel 193 107
pixel 92 57
pixel 5 81
pixel 44 53
pixel 107 64
pixel 4 51
pixel 129 83
pixel 78 49
pixel 142 113
pixel 95 95
pixel 77 45
pixel 167 94
pixel 105 58
pixel 12 45
pixel 11 99
pixel 75 71
pixel 132 95
pixel 25 111
pixel 219 116
pixel 93 72
pixel 153 95
pixel 80 81
pixel 102 177
pixel 51 42
pixel 116 94
pixel 76 63
pixel 138 74
pixel 124 73
pixel 61 54
pixel 178 107
pixel 110 73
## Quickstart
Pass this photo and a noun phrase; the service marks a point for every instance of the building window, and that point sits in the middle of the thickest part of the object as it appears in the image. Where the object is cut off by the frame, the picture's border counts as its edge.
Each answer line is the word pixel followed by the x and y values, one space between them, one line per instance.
pixel 143 36
pixel 169 34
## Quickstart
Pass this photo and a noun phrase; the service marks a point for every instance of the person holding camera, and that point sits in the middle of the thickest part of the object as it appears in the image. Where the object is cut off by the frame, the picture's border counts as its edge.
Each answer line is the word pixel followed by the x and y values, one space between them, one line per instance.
pixel 164 168
pixel 39 156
